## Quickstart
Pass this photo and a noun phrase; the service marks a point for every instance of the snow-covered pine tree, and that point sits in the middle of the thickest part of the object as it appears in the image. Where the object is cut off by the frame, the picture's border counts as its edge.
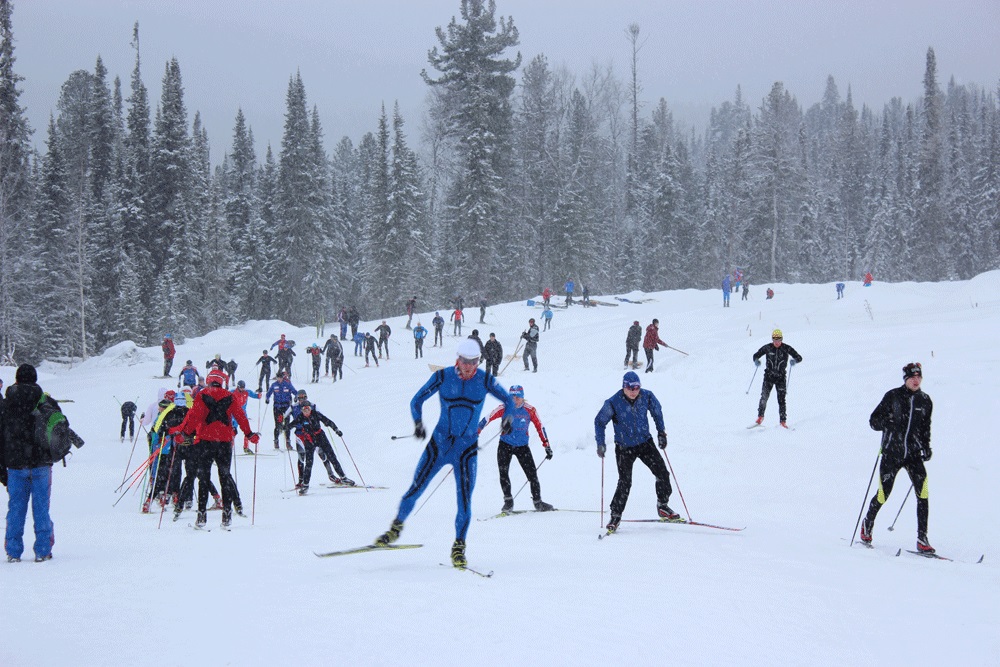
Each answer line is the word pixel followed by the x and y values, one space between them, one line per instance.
pixel 407 213
pixel 176 260
pixel 297 229
pixel 479 84
pixel 242 210
pixel 346 202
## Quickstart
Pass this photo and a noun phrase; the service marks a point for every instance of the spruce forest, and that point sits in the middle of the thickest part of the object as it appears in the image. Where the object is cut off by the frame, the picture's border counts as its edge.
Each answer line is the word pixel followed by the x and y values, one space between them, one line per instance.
pixel 522 175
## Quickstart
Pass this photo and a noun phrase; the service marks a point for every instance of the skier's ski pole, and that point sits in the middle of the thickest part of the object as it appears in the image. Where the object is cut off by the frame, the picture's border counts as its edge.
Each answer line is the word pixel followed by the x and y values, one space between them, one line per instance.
pixel 756 368
pixel 679 492
pixel 432 492
pixel 676 350
pixel 866 497
pixel 232 464
pixel 291 466
pixel 526 481
pixel 348 450
pixel 134 475
pixel 602 491
pixel 446 477
pixel 788 380
pixel 907 497
pixel 163 505
pixel 135 440
pixel 512 357
pixel 138 474
pixel 253 499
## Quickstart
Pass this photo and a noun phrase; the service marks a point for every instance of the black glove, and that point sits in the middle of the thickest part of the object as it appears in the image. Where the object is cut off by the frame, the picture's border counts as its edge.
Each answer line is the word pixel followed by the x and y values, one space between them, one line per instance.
pixel 601 449
pixel 548 452
pixel 756 362
pixel 507 425
pixel 418 430
pixel 338 432
pixel 661 437
pixel 925 454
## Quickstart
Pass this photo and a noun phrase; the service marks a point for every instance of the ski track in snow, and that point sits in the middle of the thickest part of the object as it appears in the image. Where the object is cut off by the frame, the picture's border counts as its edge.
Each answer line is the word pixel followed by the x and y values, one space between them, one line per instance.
pixel 787 590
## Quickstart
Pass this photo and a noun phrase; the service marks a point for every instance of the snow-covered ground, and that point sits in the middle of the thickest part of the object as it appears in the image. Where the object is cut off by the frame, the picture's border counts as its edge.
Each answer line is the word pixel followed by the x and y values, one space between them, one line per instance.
pixel 787 590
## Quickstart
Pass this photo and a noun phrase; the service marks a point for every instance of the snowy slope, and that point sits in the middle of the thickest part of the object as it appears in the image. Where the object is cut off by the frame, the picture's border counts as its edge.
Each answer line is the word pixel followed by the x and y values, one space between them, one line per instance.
pixel 787 590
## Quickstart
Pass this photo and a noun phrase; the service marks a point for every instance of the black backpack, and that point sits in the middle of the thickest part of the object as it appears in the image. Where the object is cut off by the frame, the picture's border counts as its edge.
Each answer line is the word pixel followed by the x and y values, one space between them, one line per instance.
pixel 52 432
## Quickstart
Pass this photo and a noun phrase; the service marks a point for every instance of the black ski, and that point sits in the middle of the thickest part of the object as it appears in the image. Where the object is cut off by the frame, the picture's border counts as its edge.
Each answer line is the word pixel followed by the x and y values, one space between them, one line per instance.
pixel 200 528
pixel 515 512
pixel 937 556
pixel 686 522
pixel 367 548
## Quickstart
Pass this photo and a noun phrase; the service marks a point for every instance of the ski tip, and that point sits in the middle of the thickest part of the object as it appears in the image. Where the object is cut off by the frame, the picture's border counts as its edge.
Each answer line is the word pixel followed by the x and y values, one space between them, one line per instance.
pixel 980 559
pixel 898 551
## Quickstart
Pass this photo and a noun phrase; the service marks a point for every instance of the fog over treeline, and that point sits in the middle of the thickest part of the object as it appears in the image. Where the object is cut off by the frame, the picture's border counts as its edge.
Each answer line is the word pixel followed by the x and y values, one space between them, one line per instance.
pixel 518 176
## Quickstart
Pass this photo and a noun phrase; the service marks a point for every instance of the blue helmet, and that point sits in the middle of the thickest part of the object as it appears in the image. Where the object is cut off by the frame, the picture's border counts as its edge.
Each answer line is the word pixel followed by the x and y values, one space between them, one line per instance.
pixel 516 390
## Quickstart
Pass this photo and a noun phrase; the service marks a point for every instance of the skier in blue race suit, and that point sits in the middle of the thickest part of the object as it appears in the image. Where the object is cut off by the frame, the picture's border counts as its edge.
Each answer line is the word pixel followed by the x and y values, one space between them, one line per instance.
pixel 462 389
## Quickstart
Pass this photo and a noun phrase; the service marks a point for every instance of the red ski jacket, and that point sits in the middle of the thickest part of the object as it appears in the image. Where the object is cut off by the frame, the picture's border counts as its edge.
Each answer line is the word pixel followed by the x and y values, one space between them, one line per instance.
pixel 652 340
pixel 212 415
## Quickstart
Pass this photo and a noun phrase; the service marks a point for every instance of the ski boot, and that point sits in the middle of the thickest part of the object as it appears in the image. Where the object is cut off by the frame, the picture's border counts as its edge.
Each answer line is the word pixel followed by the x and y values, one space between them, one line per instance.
pixel 177 511
pixel 613 523
pixel 866 532
pixel 247 450
pixel 760 420
pixel 923 546
pixel 239 510
pixel 201 520
pixel 458 558
pixel 42 559
pixel 13 559
pixel 227 518
pixel 145 506
pixel 542 506
pixel 508 504
pixel 346 481
pixel 218 503
pixel 667 514
pixel 302 489
pixel 391 535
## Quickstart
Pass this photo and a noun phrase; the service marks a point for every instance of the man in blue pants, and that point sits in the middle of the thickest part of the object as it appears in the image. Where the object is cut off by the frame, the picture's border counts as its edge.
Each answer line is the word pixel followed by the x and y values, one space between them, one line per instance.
pixel 25 468
pixel 462 390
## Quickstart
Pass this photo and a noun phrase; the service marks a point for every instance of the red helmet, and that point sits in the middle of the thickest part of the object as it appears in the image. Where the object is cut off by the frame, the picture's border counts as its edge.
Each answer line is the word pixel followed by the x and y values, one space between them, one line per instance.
pixel 217 377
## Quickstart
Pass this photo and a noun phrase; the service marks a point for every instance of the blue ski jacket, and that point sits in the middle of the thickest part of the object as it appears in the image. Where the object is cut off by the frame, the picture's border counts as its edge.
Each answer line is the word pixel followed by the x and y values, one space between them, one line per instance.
pixel 629 418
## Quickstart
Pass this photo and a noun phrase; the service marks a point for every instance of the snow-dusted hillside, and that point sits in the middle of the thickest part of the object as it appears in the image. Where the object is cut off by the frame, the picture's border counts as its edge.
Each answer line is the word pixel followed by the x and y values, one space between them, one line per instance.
pixel 787 590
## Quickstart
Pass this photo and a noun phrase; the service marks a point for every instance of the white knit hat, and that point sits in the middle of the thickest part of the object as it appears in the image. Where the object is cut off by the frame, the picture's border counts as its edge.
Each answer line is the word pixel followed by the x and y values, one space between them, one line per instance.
pixel 468 349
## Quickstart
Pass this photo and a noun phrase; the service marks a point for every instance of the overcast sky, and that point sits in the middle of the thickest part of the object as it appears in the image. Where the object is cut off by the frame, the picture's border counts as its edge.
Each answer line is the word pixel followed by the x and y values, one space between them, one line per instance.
pixel 355 55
